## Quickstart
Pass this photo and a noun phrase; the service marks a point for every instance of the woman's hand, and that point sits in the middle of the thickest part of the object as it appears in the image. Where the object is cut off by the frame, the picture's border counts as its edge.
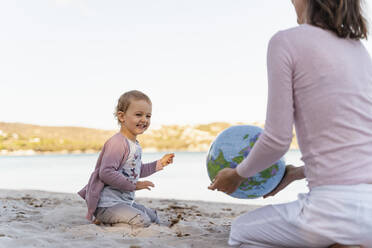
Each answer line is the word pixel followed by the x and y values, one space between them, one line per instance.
pixel 227 180
pixel 166 160
pixel 291 174
pixel 144 185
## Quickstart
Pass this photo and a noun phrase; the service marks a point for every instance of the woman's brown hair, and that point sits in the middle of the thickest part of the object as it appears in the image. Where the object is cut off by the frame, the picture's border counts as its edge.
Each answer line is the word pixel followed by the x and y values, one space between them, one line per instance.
pixel 343 17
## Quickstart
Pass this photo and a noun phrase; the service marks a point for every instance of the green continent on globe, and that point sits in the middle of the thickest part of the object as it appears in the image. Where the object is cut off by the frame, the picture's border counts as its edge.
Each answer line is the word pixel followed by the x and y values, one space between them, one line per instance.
pixel 219 163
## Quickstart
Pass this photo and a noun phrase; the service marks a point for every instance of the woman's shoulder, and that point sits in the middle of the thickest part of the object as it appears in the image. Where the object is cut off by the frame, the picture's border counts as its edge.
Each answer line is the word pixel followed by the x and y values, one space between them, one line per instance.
pixel 294 32
pixel 303 32
pixel 302 37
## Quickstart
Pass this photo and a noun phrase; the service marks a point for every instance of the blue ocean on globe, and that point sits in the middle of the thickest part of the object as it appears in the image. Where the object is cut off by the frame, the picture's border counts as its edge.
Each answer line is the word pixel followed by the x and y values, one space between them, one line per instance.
pixel 230 148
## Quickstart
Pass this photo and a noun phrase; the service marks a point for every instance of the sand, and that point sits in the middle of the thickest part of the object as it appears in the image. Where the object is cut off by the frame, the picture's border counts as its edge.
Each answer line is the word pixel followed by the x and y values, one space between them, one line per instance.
pixel 47 219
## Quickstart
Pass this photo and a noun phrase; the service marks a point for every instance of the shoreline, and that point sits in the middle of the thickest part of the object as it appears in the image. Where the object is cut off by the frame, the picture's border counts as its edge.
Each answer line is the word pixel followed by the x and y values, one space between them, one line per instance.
pixel 35 153
pixel 39 218
pixel 65 152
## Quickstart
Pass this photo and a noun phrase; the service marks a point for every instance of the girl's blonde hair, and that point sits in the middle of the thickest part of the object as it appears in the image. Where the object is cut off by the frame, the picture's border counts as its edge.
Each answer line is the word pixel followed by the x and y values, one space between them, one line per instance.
pixel 125 100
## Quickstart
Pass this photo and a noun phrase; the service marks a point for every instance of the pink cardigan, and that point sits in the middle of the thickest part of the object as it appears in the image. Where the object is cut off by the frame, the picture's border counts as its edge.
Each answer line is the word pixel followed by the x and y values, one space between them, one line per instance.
pixel 107 172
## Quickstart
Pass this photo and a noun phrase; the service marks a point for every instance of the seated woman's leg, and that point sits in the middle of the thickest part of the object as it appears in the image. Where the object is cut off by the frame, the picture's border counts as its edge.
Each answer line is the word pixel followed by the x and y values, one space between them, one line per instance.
pixel 122 213
pixel 266 227
pixel 344 246
pixel 325 216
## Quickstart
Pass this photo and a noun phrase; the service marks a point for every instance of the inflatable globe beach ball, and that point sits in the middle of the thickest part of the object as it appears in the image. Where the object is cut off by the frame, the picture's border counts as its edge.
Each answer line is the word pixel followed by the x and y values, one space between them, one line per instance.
pixel 230 148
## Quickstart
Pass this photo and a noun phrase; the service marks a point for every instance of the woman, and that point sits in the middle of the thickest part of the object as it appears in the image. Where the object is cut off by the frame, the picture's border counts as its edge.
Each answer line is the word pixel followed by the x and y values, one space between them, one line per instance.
pixel 320 80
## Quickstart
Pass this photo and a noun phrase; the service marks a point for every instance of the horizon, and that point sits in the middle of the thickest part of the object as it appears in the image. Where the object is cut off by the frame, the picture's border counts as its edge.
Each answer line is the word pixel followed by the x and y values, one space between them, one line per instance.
pixel 66 62
pixel 149 129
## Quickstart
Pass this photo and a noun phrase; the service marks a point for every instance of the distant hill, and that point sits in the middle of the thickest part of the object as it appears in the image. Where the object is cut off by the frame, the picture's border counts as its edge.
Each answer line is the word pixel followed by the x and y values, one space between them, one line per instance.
pixel 21 138
pixel 18 136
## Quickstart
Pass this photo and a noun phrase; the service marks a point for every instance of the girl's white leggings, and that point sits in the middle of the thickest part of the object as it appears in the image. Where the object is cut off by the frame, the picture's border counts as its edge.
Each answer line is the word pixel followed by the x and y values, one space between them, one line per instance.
pixel 324 216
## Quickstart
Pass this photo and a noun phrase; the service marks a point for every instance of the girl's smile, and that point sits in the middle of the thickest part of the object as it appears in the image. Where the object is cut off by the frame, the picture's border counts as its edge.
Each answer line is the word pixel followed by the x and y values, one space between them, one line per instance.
pixel 136 119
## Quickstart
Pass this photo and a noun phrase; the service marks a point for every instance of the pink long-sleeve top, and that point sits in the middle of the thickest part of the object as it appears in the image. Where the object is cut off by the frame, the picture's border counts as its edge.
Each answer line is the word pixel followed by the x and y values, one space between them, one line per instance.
pixel 323 85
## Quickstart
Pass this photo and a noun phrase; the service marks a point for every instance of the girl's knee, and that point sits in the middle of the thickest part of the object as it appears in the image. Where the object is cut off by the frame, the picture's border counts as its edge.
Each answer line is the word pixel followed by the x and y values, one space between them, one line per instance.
pixel 140 220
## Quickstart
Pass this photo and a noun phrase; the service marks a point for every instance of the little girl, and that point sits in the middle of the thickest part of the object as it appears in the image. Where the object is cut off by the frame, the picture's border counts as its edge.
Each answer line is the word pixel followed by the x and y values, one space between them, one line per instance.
pixel 111 188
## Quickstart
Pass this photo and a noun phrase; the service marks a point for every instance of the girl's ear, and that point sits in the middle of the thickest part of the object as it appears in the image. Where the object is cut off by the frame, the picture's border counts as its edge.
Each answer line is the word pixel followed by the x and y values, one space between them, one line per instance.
pixel 121 116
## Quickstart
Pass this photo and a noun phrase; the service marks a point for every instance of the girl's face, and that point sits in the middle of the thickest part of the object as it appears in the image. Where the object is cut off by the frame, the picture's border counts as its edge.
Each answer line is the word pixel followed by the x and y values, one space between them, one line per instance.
pixel 300 6
pixel 136 119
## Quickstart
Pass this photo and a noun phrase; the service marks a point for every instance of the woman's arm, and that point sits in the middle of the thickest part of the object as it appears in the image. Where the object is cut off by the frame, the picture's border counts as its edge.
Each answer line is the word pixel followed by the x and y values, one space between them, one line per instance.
pixel 276 138
pixel 274 142
pixel 291 174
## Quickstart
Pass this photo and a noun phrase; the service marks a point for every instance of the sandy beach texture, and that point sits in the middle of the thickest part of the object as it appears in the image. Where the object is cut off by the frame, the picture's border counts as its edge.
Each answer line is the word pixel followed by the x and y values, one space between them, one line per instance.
pixel 47 219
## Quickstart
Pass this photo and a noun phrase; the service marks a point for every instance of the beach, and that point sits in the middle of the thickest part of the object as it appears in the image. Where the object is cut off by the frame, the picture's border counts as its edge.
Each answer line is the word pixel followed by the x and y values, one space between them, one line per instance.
pixel 191 215
pixel 31 218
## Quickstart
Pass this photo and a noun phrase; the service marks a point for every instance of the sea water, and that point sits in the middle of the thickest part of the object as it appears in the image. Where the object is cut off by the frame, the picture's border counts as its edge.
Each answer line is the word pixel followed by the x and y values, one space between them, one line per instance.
pixel 186 178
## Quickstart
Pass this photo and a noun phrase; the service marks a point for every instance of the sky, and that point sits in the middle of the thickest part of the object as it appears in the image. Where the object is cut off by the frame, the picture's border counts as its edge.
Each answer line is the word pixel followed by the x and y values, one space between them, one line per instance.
pixel 66 62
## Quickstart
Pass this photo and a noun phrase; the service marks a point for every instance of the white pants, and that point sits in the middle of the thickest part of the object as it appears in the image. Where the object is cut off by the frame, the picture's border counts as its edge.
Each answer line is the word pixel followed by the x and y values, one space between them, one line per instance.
pixel 324 216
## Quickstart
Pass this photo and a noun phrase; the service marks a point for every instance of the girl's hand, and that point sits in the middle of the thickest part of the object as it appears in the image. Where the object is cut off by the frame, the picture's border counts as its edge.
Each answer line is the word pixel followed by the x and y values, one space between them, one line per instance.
pixel 227 180
pixel 166 159
pixel 144 185
pixel 291 174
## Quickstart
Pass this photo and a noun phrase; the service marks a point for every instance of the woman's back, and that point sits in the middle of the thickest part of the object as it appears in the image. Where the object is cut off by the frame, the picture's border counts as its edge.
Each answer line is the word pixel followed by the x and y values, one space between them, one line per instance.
pixel 332 96
pixel 320 79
